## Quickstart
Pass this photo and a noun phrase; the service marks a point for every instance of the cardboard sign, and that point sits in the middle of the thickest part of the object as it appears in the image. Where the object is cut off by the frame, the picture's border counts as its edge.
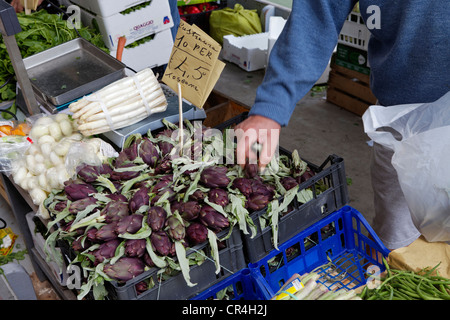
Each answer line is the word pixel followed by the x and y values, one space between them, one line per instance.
pixel 194 64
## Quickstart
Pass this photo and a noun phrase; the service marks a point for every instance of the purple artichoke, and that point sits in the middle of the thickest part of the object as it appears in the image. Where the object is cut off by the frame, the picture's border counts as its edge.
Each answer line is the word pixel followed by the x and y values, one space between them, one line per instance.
pixel 175 205
pixel 305 176
pixel 250 170
pixel 139 199
pixel 105 251
pixel 197 233
pixel 164 166
pixel 190 210
pixel 198 195
pixel 124 269
pixel 173 251
pixel 171 197
pixel 147 260
pixel 91 234
pixel 218 196
pixel 80 205
pixel 117 197
pixel 258 187
pixel 148 152
pixel 127 155
pixel 129 224
pixel 80 245
pixel 161 185
pixel 175 230
pixel 156 218
pixel 60 206
pixel 214 177
pixel 106 232
pixel 164 146
pixel 89 173
pixel 288 182
pixel 135 247
pixel 77 189
pixel 244 185
pixel 257 201
pixel 115 210
pixel 161 242
pixel 212 218
pixel 125 175
pixel 141 287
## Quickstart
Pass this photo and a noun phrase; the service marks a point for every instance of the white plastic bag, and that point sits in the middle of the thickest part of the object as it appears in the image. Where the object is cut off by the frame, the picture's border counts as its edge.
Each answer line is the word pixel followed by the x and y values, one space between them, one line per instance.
pixel 421 159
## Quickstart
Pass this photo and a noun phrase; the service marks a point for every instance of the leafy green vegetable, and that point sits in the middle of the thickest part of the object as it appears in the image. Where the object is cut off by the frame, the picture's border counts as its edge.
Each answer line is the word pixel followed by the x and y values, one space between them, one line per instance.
pixel 140 41
pixel 136 8
pixel 17 255
pixel 40 31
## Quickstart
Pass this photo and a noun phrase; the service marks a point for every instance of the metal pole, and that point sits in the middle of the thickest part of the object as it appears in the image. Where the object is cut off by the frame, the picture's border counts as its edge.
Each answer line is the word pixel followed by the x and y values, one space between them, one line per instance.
pixel 9 26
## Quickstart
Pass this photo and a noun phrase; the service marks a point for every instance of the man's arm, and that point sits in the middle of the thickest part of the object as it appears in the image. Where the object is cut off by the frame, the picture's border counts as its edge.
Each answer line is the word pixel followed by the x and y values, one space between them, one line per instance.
pixel 299 56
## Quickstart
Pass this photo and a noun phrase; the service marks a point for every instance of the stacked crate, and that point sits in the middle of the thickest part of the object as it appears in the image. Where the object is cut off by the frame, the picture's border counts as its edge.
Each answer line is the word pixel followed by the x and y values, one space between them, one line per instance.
pixel 145 24
pixel 198 11
pixel 348 84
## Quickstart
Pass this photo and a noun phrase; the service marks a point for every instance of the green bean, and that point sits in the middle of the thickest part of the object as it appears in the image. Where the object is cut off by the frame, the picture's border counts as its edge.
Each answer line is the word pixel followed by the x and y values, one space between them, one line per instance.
pixel 363 292
pixel 424 295
pixel 401 296
pixel 426 284
pixel 409 293
pixel 391 293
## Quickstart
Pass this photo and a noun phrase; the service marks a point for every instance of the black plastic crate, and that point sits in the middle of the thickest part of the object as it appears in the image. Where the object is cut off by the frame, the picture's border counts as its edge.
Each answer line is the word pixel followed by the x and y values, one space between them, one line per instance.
pixel 303 215
pixel 175 288
pixel 330 174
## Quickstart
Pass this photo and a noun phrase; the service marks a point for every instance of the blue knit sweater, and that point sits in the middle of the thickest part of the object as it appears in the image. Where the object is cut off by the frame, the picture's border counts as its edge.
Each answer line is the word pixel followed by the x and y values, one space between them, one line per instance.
pixel 409 54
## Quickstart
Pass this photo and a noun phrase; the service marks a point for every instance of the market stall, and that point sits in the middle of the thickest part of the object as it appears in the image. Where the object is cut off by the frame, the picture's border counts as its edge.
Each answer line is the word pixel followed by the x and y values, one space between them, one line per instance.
pixel 126 187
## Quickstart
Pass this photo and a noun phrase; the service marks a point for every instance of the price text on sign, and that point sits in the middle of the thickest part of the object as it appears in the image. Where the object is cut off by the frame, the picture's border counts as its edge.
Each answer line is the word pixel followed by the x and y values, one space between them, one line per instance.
pixel 193 62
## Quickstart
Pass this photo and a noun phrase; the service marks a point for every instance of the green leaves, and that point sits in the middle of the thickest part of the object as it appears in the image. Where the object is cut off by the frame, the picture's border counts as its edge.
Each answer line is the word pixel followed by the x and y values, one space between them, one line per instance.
pixel 40 31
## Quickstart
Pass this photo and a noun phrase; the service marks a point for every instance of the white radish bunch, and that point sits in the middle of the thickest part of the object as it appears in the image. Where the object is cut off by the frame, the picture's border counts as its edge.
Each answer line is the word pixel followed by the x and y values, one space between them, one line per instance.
pixel 119 104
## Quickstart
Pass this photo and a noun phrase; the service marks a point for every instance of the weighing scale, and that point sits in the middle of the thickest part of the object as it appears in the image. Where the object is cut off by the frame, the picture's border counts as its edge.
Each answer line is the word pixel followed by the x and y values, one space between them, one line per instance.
pixel 49 81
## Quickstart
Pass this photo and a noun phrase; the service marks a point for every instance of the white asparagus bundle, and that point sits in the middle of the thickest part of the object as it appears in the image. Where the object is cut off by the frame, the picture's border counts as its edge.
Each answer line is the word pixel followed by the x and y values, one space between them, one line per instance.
pixel 119 104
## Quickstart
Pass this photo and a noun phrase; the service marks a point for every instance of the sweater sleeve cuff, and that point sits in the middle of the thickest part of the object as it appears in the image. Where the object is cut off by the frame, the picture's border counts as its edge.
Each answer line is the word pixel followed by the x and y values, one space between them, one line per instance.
pixel 272 112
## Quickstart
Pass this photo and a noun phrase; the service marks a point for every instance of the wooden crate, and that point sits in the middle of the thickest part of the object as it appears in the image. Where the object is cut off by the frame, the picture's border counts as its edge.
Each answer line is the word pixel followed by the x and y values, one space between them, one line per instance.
pixel 349 89
pixel 3 192
pixel 219 109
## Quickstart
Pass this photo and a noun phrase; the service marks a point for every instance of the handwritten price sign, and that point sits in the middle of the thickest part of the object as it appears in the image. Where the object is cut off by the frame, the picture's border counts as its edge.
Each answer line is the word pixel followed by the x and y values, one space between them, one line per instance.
pixel 194 64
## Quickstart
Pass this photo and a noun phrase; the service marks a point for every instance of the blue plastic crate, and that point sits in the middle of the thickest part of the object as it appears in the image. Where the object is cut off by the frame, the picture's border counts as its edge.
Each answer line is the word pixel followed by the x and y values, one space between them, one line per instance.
pixel 241 286
pixel 342 238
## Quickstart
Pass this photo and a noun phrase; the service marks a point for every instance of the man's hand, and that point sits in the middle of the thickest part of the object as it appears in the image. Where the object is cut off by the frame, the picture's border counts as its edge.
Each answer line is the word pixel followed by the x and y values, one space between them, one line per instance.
pixel 257 129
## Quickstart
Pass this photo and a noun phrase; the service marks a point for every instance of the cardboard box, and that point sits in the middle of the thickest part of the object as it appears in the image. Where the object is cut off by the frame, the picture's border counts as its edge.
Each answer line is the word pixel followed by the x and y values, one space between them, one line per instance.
pixel 153 53
pixel 134 26
pixel 248 52
pixel 352 58
pixel 106 8
pixel 276 25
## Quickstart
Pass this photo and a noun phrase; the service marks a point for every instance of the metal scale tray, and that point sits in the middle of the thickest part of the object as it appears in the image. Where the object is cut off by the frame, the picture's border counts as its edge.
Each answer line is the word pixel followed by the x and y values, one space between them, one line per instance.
pixel 71 70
